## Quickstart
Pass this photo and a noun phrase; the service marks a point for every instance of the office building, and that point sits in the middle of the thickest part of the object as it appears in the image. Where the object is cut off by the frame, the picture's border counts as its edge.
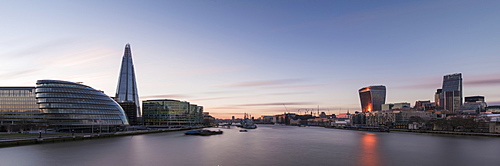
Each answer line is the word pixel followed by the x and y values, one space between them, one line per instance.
pixel 372 98
pixel 130 109
pixel 392 106
pixel 19 110
pixel 421 104
pixel 494 109
pixel 127 85
pixel 173 113
pixel 473 105
pixel 74 106
pixel 437 98
pixel 358 119
pixel 473 99
pixel 451 96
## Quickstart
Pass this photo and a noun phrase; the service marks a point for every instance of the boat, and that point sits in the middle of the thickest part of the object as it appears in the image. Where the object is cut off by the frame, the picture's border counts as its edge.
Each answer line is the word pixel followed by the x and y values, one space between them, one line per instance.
pixel 193 132
pixel 243 130
pixel 247 123
pixel 202 132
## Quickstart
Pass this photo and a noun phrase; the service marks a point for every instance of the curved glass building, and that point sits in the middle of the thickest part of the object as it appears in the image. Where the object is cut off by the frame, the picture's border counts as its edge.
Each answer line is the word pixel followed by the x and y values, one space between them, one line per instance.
pixel 69 106
pixel 372 98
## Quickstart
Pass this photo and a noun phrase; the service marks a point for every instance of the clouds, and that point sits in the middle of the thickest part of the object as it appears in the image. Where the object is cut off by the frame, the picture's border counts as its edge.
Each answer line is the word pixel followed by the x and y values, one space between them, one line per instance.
pixel 475 80
pixel 419 86
pixel 483 82
pixel 23 47
pixel 17 74
pixel 263 83
pixel 277 104
pixel 167 96
pixel 490 103
pixel 284 57
pixel 201 71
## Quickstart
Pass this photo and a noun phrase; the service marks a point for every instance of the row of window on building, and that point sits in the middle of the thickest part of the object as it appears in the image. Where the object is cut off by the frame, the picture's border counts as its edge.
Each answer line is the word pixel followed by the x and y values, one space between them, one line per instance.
pixel 64 105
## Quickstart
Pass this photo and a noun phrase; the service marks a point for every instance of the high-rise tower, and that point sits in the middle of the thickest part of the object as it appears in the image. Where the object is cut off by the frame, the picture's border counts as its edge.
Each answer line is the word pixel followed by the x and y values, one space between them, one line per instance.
pixel 451 96
pixel 127 86
pixel 372 98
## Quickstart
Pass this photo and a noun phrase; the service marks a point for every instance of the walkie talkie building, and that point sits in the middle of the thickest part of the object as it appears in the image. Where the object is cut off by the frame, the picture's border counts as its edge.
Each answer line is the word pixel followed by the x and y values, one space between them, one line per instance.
pixel 372 98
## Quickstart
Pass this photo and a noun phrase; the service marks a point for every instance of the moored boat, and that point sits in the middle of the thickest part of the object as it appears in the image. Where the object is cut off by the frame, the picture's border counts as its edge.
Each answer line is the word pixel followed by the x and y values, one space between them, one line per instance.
pixel 247 123
pixel 202 132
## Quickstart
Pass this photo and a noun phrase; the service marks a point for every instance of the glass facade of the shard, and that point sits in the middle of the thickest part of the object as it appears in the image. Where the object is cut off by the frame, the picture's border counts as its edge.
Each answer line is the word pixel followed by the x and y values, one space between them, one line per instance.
pixel 127 86
pixel 68 105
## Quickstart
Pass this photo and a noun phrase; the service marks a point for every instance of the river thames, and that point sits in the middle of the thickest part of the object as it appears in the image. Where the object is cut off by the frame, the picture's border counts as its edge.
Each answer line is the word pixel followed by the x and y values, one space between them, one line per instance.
pixel 267 145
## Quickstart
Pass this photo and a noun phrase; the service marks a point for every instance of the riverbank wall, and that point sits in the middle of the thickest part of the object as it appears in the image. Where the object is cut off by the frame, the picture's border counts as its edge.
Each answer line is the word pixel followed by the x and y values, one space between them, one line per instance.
pixel 70 137
pixel 378 129
pixel 448 132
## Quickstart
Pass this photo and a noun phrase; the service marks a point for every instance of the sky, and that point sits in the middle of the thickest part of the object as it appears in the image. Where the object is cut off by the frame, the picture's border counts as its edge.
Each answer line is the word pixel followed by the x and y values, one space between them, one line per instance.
pixel 258 57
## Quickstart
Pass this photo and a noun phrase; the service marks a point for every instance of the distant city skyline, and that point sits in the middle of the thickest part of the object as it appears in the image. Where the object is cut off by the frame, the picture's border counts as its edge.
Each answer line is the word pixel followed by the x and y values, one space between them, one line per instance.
pixel 257 57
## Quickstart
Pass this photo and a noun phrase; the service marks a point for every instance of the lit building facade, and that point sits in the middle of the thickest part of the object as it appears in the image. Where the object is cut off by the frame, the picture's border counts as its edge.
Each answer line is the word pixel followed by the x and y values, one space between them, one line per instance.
pixel 381 118
pixel 74 106
pixel 437 98
pixel 451 96
pixel 167 112
pixel 19 109
pixel 395 106
pixel 397 119
pixel 421 104
pixel 372 98
pixel 473 105
pixel 126 90
pixel 473 99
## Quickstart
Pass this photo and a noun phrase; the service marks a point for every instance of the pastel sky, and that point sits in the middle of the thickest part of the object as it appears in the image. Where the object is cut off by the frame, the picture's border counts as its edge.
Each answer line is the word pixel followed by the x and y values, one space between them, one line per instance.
pixel 259 57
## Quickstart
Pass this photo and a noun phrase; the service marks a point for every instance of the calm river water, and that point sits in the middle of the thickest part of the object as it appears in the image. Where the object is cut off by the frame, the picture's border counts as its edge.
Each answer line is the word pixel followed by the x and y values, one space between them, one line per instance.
pixel 266 145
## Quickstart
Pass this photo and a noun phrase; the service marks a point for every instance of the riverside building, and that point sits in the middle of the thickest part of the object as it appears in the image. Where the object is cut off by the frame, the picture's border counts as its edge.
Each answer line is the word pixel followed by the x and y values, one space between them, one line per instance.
pixel 395 106
pixel 171 113
pixel 372 98
pixel 19 110
pixel 74 106
pixel 473 105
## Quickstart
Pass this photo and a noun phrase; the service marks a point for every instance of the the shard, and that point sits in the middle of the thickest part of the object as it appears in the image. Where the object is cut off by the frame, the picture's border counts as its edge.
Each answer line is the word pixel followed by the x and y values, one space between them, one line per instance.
pixel 127 86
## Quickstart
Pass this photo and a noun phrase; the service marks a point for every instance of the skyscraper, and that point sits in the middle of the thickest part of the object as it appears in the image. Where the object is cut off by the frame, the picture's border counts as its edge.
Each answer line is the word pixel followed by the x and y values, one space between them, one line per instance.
pixel 127 86
pixel 451 96
pixel 372 98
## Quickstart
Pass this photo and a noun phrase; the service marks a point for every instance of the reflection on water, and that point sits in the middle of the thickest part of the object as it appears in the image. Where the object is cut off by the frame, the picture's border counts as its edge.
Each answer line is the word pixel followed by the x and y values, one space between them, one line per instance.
pixel 369 154
pixel 266 145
